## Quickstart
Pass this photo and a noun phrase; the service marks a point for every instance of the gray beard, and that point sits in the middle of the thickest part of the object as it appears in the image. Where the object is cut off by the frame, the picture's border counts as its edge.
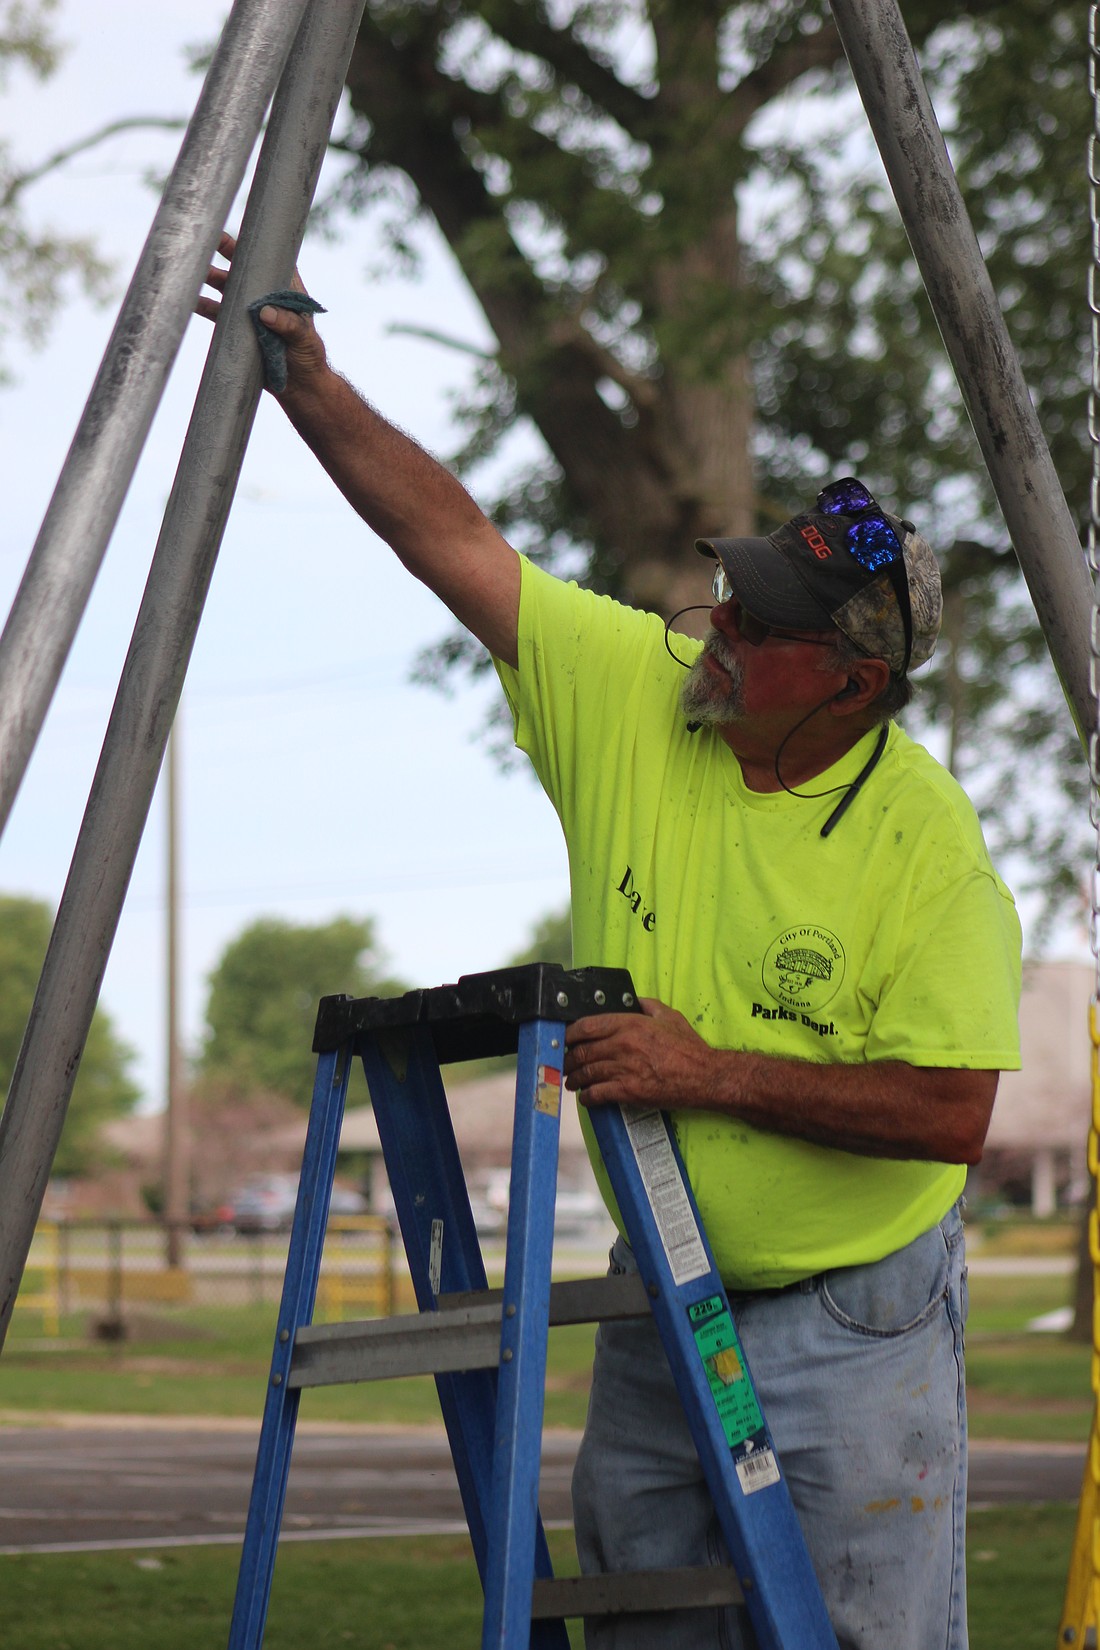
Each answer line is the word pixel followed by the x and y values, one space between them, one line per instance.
pixel 704 697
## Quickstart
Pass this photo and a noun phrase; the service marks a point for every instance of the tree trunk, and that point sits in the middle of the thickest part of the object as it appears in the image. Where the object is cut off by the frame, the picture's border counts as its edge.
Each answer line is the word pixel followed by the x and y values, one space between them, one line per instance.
pixel 645 479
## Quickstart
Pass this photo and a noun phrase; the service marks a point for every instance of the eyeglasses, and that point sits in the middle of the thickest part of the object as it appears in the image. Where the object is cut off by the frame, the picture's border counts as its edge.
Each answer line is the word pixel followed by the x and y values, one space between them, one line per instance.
pixel 754 630
pixel 873 543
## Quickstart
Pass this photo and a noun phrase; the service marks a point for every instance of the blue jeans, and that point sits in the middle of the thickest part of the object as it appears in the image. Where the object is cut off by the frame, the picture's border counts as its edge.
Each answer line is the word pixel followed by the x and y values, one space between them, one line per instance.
pixel 860 1376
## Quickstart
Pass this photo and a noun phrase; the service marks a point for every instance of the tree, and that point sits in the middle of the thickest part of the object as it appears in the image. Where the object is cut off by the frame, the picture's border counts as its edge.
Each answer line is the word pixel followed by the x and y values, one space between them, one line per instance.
pixel 263 998
pixel 702 299
pixel 35 263
pixel 551 941
pixel 103 1086
pixel 235 1132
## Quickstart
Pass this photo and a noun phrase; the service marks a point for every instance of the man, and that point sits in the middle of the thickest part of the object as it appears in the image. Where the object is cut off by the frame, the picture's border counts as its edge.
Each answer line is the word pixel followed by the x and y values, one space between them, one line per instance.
pixel 829 968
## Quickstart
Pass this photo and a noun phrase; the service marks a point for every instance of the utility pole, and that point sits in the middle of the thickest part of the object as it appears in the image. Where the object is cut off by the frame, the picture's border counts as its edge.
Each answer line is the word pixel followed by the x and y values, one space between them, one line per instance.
pixel 177 1139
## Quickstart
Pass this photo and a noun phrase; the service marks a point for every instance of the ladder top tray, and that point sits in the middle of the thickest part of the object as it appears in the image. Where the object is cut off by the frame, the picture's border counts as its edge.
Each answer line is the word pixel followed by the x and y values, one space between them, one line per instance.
pixel 481 1013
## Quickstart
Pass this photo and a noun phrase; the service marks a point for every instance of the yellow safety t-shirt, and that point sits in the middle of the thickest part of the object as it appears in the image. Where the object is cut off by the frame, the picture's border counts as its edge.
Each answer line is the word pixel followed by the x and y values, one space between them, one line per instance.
pixel 891 939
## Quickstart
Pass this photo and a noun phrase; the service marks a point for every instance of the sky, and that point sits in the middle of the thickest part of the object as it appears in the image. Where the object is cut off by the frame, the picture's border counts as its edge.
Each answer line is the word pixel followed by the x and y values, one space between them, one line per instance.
pixel 315 779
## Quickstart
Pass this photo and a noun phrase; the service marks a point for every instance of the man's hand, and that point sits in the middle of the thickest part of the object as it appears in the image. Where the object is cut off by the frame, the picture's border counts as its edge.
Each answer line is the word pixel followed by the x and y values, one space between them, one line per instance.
pixel 652 1058
pixel 306 360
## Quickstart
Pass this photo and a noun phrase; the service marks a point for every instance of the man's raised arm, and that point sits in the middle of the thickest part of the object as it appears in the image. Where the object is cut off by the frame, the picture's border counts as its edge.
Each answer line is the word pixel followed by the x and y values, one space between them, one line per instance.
pixel 404 494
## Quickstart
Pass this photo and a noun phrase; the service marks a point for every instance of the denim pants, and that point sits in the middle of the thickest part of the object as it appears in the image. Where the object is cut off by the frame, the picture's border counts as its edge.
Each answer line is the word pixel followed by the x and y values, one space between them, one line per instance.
pixel 860 1377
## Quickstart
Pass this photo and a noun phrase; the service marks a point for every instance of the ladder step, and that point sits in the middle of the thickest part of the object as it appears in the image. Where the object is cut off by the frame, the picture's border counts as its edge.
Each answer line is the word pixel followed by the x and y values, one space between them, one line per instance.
pixel 575 1300
pixel 431 1343
pixel 619 1594
pixel 463 1334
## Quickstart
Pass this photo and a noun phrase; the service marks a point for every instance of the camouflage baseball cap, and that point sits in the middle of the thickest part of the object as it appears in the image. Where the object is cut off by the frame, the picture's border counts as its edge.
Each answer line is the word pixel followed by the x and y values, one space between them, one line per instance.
pixel 806 571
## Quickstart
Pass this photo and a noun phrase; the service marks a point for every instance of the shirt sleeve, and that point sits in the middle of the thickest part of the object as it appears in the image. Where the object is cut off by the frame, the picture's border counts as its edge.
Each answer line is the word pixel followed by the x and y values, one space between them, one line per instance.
pixel 952 996
pixel 584 660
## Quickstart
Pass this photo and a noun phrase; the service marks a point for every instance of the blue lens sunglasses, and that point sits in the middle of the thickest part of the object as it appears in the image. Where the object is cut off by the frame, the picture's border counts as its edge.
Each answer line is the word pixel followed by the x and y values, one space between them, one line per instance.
pixel 873 543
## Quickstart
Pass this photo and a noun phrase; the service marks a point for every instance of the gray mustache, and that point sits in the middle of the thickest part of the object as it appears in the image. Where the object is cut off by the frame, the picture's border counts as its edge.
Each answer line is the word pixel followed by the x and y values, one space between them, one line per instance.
pixel 720 649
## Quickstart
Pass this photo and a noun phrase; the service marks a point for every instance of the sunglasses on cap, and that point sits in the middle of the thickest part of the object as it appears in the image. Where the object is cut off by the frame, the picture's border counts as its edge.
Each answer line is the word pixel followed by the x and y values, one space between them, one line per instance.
pixel 754 630
pixel 872 542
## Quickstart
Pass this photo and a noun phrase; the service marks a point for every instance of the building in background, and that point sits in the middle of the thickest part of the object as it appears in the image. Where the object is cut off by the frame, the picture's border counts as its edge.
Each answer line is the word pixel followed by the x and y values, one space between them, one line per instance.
pixel 1036 1149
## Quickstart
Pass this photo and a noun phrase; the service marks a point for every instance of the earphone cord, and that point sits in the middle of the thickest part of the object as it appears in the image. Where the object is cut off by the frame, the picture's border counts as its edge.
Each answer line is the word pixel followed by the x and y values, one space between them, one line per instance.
pixel 696 607
pixel 852 790
pixel 805 796
pixel 857 783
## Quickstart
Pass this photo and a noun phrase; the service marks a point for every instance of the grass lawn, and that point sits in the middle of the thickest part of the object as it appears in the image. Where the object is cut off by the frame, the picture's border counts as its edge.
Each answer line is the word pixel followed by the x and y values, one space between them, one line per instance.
pixel 1020 1235
pixel 213 1361
pixel 422 1593
pixel 1018 1558
pixel 1022 1385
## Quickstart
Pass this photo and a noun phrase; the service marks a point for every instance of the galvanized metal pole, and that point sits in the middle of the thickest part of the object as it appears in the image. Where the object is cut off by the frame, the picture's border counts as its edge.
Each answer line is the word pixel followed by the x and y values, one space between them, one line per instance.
pixel 176 1182
pixel 97 472
pixel 1045 536
pixel 164 634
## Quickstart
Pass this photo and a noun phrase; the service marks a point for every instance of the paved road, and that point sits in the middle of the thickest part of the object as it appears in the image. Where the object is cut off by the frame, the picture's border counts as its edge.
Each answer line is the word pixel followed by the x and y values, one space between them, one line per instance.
pixel 66 1488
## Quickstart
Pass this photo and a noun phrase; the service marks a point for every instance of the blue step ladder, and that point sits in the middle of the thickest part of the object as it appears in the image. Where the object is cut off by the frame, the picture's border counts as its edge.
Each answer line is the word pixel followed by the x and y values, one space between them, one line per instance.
pixel 487 1348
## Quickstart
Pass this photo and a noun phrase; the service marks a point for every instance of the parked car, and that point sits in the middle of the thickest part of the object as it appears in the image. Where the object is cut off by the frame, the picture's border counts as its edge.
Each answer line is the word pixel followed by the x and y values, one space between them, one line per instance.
pixel 212 1217
pixel 579 1212
pixel 265 1203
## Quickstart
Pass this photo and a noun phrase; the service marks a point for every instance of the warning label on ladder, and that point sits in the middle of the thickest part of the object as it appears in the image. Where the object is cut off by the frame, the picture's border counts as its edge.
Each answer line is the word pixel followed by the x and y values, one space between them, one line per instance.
pixel 672 1211
pixel 720 1350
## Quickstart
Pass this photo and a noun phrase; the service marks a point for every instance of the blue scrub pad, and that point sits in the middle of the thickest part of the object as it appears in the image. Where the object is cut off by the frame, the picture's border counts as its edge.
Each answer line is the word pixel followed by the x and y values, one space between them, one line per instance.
pixel 272 347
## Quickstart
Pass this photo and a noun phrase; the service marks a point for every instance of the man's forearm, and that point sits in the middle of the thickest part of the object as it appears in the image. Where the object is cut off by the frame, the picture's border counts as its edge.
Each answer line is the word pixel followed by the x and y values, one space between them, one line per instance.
pixel 400 490
pixel 412 502
pixel 885 1108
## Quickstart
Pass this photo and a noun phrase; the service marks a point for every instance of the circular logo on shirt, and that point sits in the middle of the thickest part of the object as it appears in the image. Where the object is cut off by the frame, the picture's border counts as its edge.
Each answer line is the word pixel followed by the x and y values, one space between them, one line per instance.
pixel 804 967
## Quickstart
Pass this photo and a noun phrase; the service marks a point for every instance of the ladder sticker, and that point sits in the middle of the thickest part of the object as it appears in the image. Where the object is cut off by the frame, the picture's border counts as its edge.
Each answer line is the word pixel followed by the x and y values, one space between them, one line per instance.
pixel 720 1350
pixel 758 1470
pixel 435 1256
pixel 672 1211
pixel 548 1091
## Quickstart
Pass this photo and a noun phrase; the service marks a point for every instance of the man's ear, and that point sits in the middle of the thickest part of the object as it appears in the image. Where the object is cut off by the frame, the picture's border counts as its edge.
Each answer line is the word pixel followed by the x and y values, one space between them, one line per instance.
pixel 866 680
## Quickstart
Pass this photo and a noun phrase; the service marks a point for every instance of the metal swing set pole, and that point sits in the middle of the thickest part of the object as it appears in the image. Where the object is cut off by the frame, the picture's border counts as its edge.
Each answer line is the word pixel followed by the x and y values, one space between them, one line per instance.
pixel 126 393
pixel 1061 575
pixel 1043 533
pixel 318 38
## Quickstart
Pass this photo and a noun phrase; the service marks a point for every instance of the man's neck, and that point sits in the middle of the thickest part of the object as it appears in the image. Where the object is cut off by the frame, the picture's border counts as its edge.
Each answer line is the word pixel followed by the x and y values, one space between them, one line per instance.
pixel 799 761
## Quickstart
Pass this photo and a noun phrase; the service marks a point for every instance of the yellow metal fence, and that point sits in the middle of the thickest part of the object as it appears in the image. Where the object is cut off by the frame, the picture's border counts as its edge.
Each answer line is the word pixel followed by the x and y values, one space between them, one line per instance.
pixel 117 1267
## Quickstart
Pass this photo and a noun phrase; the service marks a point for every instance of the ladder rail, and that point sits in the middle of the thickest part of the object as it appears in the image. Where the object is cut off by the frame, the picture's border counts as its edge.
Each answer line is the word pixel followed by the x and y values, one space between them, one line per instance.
pixel 515 1527
pixel 440 1238
pixel 444 1255
pixel 307 1237
pixel 691 1308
